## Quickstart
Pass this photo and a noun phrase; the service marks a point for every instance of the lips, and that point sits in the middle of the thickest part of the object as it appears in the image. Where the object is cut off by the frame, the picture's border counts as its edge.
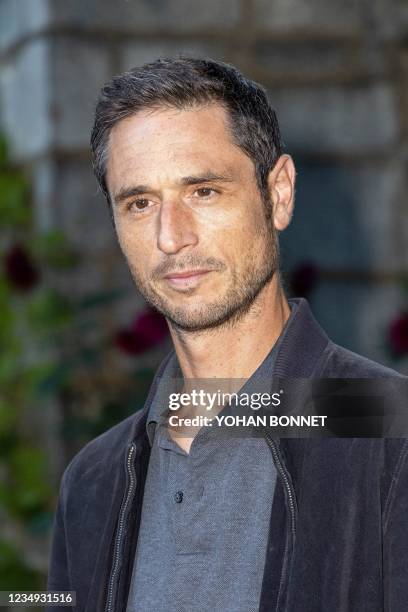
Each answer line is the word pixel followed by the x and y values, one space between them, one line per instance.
pixel 186 274
pixel 186 280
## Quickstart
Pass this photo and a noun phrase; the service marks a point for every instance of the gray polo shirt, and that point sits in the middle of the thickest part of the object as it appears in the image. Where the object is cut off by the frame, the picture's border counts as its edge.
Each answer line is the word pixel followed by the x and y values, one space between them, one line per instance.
pixel 205 514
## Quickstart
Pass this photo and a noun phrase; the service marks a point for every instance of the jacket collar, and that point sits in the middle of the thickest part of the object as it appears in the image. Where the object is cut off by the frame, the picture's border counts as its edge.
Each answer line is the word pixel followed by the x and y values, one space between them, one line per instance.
pixel 302 346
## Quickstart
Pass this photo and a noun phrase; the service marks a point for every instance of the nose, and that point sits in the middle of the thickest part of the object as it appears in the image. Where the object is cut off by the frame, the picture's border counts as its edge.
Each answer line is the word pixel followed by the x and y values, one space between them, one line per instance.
pixel 176 227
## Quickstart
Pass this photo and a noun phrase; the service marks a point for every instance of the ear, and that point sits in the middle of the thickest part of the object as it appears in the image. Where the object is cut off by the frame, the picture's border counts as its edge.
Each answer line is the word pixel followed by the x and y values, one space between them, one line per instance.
pixel 281 185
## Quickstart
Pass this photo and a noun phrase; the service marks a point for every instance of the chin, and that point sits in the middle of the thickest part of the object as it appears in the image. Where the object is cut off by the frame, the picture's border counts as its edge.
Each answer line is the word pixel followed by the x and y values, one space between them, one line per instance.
pixel 199 319
pixel 189 319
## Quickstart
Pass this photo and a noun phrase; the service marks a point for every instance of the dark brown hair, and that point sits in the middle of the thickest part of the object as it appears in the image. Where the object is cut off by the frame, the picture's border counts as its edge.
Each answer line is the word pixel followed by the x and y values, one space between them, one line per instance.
pixel 185 82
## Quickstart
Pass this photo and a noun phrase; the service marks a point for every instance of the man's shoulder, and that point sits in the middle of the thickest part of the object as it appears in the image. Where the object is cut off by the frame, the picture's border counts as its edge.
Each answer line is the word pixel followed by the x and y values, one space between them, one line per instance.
pixel 340 362
pixel 104 452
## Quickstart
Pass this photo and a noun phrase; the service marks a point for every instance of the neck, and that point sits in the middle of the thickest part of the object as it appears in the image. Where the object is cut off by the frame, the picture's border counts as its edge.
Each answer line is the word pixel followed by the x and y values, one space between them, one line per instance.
pixel 234 350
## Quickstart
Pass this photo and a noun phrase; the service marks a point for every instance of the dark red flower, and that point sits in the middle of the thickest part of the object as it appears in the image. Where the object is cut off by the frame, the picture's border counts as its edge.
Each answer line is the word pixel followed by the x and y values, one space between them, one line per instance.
pixel 127 341
pixel 151 326
pixel 303 279
pixel 398 334
pixel 21 272
pixel 147 331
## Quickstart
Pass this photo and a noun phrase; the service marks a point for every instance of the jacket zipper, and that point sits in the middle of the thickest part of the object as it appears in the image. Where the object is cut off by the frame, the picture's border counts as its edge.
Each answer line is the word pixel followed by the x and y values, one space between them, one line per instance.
pixel 121 524
pixel 291 502
pixel 129 494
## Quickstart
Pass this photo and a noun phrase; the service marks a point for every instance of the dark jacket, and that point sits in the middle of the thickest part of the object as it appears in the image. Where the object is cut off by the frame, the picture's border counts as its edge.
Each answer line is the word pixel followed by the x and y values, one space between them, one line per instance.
pixel 338 539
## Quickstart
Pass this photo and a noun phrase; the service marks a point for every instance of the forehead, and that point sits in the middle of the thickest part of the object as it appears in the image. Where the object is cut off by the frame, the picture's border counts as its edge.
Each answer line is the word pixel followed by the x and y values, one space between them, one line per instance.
pixel 173 140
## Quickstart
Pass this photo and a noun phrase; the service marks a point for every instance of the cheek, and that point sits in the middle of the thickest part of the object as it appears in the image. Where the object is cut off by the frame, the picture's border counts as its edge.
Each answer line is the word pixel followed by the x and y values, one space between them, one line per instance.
pixel 246 230
pixel 128 232
pixel 233 225
pixel 235 233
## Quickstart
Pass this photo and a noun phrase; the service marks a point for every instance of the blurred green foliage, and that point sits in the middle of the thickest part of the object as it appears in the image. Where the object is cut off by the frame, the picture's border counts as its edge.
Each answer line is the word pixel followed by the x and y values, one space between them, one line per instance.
pixel 53 352
pixel 14 572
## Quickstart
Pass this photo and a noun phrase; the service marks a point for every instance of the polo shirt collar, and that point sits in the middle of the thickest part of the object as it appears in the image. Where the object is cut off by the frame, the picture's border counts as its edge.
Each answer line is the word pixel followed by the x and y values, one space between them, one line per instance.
pixel 172 378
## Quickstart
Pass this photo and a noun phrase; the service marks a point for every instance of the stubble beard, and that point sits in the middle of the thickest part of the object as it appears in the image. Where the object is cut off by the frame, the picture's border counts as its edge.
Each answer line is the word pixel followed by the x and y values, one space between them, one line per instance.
pixel 232 306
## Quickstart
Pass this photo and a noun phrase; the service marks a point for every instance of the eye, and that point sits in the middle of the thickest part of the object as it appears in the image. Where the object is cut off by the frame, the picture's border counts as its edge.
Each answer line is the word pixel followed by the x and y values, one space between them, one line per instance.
pixel 205 192
pixel 138 205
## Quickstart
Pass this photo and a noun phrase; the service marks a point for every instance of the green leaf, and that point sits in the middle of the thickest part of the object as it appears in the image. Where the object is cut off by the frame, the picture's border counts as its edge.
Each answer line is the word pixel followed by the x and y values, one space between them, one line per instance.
pixel 3 151
pixel 7 315
pixel 10 365
pixel 28 471
pixel 15 575
pixel 14 204
pixel 48 311
pixel 52 248
pixel 7 417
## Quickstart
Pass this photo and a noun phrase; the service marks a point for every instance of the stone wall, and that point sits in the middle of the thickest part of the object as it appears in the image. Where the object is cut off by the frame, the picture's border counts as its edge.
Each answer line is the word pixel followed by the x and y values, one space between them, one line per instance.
pixel 337 73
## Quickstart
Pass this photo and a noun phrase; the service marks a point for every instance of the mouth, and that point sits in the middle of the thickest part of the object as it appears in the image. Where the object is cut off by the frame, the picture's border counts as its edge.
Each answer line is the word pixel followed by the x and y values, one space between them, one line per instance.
pixel 187 279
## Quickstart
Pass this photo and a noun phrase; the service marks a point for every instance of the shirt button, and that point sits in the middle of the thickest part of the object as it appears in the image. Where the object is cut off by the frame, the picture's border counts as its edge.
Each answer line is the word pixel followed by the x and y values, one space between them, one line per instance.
pixel 178 497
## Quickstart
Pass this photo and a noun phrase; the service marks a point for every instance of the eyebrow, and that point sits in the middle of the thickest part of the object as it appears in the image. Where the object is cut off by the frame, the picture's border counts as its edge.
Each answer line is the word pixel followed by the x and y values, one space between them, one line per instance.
pixel 130 192
pixel 209 177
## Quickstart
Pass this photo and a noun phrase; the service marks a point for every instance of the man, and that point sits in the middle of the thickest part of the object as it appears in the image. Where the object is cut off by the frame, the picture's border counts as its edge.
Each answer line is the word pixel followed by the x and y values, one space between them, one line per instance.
pixel 152 517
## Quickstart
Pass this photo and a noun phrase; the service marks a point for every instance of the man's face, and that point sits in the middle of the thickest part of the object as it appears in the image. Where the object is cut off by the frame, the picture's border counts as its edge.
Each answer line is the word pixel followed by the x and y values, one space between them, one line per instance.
pixel 189 216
